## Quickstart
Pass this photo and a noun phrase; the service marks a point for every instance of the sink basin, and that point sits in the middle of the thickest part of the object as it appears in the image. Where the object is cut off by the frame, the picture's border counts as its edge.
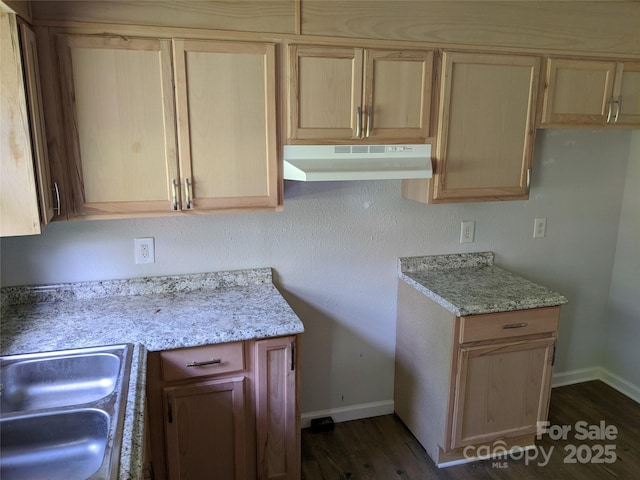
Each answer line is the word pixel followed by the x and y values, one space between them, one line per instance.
pixel 58 381
pixel 59 446
pixel 62 413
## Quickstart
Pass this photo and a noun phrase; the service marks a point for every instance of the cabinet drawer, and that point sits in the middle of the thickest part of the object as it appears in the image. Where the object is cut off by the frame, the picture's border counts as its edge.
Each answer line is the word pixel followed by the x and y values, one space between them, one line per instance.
pixel 492 326
pixel 184 363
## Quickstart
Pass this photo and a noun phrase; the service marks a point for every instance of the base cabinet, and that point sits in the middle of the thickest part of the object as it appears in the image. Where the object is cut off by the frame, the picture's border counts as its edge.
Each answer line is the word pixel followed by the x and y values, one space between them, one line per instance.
pixel 472 381
pixel 225 411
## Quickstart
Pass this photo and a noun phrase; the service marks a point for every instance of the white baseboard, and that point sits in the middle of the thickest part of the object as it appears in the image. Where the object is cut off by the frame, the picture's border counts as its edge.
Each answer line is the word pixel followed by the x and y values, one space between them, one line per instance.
pixel 374 409
pixel 575 376
pixel 597 373
pixel 626 388
pixel 353 412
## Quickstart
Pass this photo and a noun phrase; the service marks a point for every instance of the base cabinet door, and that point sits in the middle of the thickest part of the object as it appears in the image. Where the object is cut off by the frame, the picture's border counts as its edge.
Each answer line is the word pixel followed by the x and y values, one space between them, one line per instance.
pixel 501 391
pixel 277 425
pixel 205 434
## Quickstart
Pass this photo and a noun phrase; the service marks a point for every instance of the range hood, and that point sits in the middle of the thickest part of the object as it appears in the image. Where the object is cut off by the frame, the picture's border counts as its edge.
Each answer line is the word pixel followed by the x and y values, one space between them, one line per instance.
pixel 309 163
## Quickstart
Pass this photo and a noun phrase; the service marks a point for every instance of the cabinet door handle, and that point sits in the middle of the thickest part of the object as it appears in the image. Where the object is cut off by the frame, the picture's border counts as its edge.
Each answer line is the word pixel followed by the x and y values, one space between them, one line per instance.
pixel 187 191
pixel 213 361
pixel 169 409
pixel 618 103
pixel 358 122
pixel 609 111
pixel 369 121
pixel 514 325
pixel 174 193
pixel 57 191
pixel 528 187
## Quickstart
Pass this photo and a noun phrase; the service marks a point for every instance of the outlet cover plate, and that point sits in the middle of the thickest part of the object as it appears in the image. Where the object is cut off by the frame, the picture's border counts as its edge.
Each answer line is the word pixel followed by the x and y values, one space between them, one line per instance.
pixel 467 230
pixel 144 250
pixel 540 227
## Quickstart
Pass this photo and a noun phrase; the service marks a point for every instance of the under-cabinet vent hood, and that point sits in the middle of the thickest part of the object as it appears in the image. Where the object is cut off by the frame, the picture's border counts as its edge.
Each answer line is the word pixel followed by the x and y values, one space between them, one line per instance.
pixel 310 163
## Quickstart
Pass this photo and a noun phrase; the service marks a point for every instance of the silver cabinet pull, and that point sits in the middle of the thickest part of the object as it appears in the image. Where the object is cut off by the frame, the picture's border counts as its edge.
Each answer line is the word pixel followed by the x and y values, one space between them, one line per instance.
pixel 369 121
pixel 187 187
pixel 514 325
pixel 57 191
pixel 609 111
pixel 174 193
pixel 528 188
pixel 618 103
pixel 358 122
pixel 213 361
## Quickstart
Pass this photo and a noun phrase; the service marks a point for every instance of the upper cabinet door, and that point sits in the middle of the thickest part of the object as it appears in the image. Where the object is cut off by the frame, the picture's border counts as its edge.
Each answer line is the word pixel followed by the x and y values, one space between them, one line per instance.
pixel 325 92
pixel 397 103
pixel 627 95
pixel 485 127
pixel 346 94
pixel 578 92
pixel 49 205
pixel 25 195
pixel 591 93
pixel 226 111
pixel 118 107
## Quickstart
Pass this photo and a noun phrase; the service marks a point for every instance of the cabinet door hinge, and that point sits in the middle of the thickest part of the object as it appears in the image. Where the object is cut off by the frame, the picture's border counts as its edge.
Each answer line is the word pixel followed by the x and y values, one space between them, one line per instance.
pixel 293 356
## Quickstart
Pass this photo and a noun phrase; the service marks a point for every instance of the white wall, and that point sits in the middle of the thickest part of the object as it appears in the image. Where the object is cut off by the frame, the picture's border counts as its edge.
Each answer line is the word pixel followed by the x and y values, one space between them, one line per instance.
pixel 335 248
pixel 622 351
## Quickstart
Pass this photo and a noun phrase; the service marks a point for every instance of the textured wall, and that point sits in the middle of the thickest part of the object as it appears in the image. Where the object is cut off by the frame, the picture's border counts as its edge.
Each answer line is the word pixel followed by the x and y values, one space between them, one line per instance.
pixel 621 353
pixel 335 248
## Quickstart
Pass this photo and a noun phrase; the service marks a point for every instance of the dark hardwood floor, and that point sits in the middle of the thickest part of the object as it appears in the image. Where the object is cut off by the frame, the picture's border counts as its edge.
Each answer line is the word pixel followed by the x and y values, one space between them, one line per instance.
pixel 382 447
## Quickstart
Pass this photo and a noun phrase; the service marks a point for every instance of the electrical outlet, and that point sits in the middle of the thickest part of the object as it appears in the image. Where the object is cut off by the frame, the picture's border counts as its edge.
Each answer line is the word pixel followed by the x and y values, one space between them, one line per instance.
pixel 467 230
pixel 539 227
pixel 144 251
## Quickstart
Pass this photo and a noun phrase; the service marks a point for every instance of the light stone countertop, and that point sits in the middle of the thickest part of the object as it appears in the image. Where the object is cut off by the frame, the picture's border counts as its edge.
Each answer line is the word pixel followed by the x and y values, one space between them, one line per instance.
pixel 470 284
pixel 154 313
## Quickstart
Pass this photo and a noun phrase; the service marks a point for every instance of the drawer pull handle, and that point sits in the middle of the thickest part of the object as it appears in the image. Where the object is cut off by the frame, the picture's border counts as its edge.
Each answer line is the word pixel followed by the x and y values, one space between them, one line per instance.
pixel 213 361
pixel 514 325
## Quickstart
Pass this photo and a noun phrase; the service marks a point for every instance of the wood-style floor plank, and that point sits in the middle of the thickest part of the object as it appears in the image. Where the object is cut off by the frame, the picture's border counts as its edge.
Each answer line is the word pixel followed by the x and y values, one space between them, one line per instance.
pixel 382 448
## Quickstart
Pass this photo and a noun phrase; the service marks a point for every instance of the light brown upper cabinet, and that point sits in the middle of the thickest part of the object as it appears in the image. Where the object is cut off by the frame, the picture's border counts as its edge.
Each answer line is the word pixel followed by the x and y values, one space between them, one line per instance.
pixel 346 94
pixel 138 148
pixel 485 127
pixel 226 110
pixel 591 93
pixel 27 197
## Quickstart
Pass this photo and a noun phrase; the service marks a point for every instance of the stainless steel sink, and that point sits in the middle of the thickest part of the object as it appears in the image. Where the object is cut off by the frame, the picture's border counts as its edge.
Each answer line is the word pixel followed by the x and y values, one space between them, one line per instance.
pixel 58 382
pixel 62 413
pixel 55 446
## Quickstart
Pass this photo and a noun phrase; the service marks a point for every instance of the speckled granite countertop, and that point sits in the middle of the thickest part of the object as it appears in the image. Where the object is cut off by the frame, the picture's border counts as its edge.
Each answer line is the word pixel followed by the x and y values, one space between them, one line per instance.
pixel 470 284
pixel 154 313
